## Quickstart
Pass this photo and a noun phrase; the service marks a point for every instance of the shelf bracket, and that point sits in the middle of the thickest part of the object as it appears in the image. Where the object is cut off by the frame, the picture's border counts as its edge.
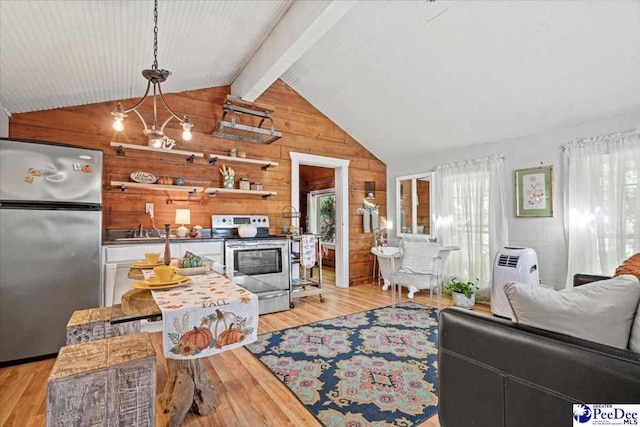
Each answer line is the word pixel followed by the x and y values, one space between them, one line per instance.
pixel 120 151
pixel 266 196
pixel 213 160
pixel 265 167
pixel 123 188
pixel 192 192
pixel 191 158
pixel 213 195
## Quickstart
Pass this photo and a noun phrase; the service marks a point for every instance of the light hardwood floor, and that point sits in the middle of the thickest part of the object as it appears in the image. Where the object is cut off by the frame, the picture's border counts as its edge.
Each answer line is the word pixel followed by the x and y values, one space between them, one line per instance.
pixel 249 394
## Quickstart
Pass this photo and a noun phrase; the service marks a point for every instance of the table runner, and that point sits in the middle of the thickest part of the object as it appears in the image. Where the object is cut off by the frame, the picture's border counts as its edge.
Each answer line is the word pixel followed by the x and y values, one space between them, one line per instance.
pixel 208 316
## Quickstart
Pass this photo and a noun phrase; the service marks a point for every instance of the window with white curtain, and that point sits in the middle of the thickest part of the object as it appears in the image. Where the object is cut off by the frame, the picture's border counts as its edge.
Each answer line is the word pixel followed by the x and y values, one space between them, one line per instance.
pixel 602 203
pixel 471 213
pixel 321 208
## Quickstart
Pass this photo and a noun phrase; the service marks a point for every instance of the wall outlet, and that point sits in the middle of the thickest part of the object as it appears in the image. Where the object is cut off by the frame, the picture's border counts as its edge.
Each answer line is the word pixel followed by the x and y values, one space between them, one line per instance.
pixel 148 208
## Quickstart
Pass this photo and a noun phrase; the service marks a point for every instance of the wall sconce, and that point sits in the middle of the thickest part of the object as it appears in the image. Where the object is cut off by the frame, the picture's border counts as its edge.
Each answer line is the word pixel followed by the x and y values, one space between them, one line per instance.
pixel 370 189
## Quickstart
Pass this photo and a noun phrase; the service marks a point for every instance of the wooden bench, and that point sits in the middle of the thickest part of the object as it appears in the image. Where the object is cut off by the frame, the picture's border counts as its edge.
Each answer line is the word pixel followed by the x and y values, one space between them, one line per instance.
pixel 108 382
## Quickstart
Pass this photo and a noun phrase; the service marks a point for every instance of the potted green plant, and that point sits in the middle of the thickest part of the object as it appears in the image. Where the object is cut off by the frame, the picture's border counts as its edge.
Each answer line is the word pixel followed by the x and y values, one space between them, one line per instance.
pixel 463 293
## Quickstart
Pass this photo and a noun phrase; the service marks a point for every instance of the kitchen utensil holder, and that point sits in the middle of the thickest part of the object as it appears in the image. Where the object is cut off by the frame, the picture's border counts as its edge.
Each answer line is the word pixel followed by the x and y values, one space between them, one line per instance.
pixel 228 182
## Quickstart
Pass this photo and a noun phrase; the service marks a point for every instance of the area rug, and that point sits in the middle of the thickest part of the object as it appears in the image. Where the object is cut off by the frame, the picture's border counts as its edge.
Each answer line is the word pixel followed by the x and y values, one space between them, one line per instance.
pixel 376 368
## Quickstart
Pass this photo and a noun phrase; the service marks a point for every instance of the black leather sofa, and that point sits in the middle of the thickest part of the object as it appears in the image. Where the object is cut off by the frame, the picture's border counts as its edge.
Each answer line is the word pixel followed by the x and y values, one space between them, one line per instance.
pixel 494 373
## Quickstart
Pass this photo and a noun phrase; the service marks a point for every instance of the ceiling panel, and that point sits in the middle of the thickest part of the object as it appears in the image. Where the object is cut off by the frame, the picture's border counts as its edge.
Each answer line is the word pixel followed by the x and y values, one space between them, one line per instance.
pixel 410 77
pixel 60 53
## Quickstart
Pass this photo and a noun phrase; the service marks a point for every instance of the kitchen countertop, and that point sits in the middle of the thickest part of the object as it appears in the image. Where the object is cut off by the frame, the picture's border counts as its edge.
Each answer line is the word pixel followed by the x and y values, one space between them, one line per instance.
pixel 141 241
pixel 123 237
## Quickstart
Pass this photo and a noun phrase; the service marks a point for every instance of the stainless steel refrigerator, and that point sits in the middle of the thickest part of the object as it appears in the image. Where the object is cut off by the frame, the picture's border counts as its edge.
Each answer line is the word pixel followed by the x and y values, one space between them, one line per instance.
pixel 50 237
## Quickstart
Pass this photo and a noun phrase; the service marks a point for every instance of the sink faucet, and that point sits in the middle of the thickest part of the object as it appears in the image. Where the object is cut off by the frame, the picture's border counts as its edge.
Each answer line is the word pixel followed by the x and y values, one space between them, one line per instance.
pixel 140 232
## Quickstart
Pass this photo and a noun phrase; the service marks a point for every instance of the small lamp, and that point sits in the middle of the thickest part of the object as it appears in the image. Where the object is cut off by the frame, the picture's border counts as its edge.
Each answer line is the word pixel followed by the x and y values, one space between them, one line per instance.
pixel 183 216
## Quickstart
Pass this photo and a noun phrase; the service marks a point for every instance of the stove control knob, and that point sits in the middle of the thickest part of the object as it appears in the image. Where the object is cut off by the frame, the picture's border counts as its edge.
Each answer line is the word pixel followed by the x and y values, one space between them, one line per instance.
pixel 224 219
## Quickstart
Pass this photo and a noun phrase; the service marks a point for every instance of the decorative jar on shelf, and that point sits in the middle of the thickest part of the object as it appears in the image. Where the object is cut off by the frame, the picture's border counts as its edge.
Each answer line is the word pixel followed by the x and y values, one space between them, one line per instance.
pixel 244 184
pixel 257 186
pixel 228 182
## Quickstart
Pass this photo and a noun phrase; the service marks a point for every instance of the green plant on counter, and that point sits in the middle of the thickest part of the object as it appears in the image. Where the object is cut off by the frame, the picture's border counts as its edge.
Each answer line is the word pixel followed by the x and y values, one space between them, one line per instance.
pixel 466 288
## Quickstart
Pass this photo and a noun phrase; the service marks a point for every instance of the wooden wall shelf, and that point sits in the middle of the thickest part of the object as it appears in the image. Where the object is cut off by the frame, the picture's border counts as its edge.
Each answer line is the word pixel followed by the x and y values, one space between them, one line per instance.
pixel 213 158
pixel 191 155
pixel 215 191
pixel 158 187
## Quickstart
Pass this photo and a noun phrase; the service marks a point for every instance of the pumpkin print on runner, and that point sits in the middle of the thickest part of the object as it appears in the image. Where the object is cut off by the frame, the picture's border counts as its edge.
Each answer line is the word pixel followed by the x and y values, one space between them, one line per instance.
pixel 216 330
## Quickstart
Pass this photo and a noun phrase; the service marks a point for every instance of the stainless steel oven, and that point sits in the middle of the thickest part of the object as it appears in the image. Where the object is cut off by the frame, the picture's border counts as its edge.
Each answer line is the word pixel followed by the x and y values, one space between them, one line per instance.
pixel 265 259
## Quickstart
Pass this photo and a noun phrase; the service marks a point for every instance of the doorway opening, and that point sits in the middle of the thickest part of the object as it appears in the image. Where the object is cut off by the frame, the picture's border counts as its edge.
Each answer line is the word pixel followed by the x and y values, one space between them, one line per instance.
pixel 318 209
pixel 323 168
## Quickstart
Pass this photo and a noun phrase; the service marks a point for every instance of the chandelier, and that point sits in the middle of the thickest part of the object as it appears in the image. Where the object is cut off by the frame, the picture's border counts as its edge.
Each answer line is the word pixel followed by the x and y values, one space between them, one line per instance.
pixel 154 76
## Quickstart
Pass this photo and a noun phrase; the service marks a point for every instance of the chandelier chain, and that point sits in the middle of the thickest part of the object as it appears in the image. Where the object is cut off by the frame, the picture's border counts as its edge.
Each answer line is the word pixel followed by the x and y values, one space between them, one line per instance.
pixel 155 36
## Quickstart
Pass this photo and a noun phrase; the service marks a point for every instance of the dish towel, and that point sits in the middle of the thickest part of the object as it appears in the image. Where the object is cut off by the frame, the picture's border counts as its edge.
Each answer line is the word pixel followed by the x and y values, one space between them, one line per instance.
pixel 374 221
pixel 366 221
pixel 308 250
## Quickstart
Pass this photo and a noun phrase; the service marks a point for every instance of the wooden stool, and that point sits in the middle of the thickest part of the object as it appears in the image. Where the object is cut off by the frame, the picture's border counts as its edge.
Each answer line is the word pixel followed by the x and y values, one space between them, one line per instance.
pixel 105 382
pixel 95 324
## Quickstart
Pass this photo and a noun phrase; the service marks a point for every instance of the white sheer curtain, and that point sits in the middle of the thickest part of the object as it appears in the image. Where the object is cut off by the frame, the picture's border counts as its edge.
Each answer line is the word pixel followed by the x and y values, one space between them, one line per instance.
pixel 471 213
pixel 601 202
pixel 312 213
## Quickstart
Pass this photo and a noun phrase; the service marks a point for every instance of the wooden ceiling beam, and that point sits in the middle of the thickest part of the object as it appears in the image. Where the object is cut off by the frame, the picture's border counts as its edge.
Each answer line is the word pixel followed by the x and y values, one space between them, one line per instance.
pixel 303 24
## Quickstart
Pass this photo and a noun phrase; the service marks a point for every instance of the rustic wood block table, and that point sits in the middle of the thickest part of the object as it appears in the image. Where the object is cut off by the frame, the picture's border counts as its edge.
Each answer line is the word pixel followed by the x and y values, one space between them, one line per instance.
pixel 207 316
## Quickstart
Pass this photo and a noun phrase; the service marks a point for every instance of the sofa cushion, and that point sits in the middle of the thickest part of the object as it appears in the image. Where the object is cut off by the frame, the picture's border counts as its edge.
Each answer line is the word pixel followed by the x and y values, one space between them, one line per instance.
pixel 600 311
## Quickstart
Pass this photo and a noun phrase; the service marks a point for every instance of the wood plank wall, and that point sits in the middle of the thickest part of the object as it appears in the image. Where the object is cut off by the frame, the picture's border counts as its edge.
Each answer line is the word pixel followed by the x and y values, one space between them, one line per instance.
pixel 304 130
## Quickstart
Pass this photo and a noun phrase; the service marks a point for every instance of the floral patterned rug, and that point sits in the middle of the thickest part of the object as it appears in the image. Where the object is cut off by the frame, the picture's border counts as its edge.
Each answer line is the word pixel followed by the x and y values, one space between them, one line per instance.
pixel 376 368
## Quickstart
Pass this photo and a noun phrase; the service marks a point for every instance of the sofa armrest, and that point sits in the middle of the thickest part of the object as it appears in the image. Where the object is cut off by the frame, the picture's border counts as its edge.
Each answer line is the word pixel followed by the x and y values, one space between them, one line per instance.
pixel 493 373
pixel 583 279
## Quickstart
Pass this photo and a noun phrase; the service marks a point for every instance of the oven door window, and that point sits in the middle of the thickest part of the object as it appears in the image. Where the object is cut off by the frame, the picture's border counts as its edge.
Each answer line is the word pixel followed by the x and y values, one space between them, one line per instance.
pixel 257 261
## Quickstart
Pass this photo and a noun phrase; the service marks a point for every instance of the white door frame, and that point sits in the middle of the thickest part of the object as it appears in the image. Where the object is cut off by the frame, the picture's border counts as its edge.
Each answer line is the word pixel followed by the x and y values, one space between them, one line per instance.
pixel 341 167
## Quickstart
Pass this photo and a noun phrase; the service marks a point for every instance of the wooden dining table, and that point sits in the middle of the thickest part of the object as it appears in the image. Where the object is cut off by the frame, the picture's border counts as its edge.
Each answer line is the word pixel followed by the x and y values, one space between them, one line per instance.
pixel 187 388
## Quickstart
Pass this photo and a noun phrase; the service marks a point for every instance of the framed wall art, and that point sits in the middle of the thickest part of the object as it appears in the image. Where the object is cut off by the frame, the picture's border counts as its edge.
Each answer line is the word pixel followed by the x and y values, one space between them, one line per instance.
pixel 534 196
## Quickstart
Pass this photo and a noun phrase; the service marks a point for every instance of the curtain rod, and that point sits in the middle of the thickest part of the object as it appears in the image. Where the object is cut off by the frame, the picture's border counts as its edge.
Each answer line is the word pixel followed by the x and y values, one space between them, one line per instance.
pixel 467 162
pixel 602 139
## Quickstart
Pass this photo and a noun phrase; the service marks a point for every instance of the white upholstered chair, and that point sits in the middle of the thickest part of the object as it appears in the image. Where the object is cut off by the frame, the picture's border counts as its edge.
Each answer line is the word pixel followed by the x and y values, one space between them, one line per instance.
pixel 420 268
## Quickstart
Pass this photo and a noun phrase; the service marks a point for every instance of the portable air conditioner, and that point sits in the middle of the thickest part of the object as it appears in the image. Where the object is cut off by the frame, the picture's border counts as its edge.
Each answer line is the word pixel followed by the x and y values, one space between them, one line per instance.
pixel 511 265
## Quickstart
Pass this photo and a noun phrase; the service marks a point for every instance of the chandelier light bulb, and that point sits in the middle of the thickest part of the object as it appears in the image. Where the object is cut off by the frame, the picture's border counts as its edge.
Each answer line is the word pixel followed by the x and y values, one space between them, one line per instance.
pixel 186 128
pixel 155 142
pixel 118 118
pixel 118 125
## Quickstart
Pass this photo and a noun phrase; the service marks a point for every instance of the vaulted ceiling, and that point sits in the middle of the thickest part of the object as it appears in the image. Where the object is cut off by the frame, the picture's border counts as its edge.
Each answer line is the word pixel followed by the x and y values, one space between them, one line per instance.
pixel 402 77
